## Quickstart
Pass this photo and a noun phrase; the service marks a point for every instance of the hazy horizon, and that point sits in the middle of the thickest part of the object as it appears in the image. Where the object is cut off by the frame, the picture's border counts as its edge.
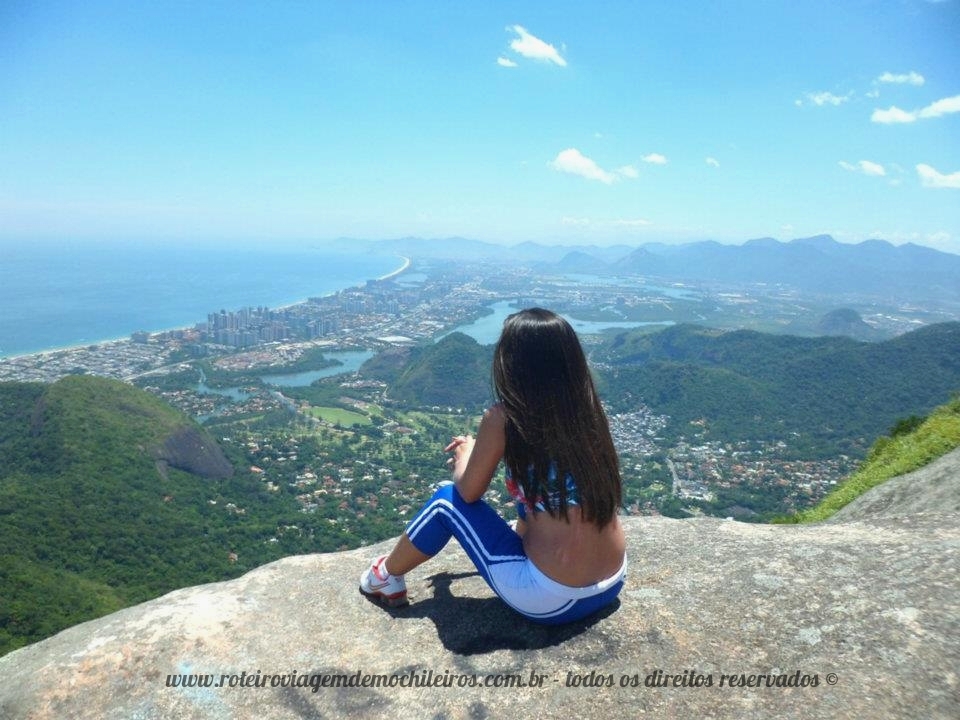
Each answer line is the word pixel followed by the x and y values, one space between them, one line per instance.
pixel 336 243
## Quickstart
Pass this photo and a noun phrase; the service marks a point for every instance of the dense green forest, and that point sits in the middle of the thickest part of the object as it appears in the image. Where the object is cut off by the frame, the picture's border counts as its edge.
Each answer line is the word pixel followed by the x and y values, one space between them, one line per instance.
pixel 93 515
pixel 108 496
pixel 824 396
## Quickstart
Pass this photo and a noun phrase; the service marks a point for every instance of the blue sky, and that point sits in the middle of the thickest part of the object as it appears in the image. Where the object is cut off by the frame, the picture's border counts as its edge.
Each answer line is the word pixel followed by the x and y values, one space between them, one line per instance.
pixel 569 122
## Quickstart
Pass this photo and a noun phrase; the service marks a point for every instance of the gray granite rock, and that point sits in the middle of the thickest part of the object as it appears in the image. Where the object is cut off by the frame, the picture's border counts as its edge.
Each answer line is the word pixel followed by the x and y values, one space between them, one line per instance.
pixel 933 488
pixel 863 615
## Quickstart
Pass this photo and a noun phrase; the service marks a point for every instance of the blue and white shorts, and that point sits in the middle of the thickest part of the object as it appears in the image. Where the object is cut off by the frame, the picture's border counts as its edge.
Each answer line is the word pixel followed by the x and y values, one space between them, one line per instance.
pixel 497 551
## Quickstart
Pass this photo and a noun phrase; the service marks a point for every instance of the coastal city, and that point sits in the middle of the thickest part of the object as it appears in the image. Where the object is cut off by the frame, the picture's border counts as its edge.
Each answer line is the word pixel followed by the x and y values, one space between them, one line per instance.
pixel 416 305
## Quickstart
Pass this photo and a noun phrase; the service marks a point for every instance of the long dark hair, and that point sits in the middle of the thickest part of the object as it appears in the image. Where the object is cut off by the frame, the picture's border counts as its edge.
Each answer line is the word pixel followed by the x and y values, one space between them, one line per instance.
pixel 554 416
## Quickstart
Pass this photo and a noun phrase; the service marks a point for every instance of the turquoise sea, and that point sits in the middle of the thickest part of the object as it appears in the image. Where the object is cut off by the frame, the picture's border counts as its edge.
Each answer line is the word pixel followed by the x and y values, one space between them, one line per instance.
pixel 55 295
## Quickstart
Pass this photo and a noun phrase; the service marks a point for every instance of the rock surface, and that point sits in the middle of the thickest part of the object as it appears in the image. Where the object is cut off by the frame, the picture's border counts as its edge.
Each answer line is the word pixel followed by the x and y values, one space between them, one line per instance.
pixel 864 611
pixel 193 450
pixel 934 488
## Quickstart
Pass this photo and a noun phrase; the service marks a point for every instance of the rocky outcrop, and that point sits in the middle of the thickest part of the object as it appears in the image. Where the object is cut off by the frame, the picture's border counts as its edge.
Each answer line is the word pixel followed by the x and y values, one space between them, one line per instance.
pixel 934 488
pixel 191 449
pixel 858 618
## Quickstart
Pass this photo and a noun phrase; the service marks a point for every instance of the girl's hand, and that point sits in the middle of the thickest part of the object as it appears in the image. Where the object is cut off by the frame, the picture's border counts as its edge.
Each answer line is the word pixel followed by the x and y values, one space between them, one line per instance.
pixel 475 461
pixel 461 446
pixel 457 440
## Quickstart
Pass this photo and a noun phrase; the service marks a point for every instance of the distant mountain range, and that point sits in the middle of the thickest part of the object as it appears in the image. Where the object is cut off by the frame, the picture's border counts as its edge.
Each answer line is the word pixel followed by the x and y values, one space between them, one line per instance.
pixel 817 264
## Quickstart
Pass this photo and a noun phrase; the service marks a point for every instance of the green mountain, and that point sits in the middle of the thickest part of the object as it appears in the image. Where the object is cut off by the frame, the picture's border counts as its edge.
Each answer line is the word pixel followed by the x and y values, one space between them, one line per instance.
pixel 453 372
pixel 848 323
pixel 104 494
pixel 826 395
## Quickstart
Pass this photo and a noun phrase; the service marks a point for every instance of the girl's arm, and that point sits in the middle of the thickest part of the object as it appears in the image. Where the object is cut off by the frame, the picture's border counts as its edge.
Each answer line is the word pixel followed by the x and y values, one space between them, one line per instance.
pixel 475 460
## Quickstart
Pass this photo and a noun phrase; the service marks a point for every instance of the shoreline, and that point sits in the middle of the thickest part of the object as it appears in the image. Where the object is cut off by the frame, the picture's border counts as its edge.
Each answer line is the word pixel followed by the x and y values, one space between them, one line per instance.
pixel 402 269
pixel 50 352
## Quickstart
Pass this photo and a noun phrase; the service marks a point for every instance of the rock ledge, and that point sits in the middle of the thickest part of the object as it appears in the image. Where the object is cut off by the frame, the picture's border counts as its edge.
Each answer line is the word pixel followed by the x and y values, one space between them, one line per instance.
pixel 854 618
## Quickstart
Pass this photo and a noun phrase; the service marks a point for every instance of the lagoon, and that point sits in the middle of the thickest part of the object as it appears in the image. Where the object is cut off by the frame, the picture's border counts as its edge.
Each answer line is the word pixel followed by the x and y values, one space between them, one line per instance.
pixel 350 361
pixel 486 330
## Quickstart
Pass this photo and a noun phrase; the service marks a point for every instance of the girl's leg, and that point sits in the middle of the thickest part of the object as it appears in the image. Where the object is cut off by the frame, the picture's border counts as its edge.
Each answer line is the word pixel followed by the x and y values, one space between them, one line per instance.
pixel 495 549
pixel 404 557
pixel 483 534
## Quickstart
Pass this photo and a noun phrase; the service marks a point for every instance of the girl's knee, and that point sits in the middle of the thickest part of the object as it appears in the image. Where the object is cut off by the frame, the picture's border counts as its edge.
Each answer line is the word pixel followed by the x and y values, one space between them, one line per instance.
pixel 445 491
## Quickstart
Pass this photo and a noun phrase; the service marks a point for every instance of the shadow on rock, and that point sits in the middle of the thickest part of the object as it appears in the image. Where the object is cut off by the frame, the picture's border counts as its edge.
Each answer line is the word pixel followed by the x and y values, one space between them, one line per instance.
pixel 470 626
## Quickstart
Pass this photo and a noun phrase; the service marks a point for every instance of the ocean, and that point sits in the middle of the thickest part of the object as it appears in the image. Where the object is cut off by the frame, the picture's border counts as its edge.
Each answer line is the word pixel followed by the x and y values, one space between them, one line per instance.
pixel 55 295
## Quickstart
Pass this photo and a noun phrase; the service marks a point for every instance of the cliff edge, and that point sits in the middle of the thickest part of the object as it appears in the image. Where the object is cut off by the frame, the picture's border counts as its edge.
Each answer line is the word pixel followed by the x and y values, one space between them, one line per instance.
pixel 858 617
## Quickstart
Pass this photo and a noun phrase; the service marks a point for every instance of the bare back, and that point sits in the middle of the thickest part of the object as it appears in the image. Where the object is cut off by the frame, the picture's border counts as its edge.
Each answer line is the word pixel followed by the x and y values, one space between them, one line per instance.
pixel 573 553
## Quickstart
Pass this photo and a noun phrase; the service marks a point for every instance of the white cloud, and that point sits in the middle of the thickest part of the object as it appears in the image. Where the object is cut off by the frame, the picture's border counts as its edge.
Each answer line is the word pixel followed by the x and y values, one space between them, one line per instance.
pixel 628 171
pixel 826 98
pixel 931 178
pixel 712 162
pixel 910 78
pixel 572 161
pixel 639 222
pixel 866 167
pixel 941 240
pixel 534 48
pixel 894 115
pixel 605 223
pixel 655 159
pixel 505 62
pixel 941 107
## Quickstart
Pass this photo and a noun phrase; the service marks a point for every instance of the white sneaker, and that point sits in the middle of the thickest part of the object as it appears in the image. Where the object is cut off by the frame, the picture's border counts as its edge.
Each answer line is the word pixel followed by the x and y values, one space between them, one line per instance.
pixel 382 587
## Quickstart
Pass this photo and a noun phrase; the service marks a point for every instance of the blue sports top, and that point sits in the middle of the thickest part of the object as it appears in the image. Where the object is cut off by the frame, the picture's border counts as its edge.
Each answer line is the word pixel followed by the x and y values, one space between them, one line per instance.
pixel 516 491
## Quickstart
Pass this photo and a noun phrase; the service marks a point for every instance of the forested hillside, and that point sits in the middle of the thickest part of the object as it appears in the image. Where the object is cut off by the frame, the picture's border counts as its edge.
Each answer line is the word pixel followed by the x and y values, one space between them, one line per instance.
pixel 108 496
pixel 454 372
pixel 94 512
pixel 826 395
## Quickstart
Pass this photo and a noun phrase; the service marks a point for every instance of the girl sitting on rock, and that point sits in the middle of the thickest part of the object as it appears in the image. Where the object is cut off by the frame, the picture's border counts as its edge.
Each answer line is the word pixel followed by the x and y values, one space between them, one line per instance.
pixel 566 559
